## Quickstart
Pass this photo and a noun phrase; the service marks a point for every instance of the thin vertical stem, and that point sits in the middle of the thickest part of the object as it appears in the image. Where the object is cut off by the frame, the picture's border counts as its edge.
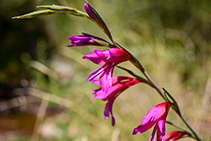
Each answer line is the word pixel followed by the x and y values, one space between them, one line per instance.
pixel 188 125
pixel 155 86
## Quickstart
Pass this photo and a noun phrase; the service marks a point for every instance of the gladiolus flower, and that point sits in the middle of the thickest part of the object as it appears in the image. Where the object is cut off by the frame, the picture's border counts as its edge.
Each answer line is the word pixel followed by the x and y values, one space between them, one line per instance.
pixel 91 14
pixel 83 40
pixel 96 18
pixel 119 84
pixel 175 135
pixel 108 59
pixel 156 116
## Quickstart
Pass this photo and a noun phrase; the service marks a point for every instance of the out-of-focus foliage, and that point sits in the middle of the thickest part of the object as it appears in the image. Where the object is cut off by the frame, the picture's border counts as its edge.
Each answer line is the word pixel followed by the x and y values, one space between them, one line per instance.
pixel 171 39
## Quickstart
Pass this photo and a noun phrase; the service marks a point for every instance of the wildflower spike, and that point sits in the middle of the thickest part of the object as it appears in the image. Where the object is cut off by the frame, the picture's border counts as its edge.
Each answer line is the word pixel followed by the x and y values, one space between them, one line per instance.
pixel 96 18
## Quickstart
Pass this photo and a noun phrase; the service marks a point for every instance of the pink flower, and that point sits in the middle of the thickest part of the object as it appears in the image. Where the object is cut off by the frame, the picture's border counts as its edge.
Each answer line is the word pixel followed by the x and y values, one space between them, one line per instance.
pixel 91 14
pixel 156 116
pixel 95 17
pixel 119 84
pixel 175 135
pixel 83 40
pixel 108 59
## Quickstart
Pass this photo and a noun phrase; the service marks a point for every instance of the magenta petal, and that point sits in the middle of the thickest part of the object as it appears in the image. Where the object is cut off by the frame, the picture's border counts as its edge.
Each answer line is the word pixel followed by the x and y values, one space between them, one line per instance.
pixel 82 40
pixel 97 82
pixel 89 12
pixel 157 115
pixel 175 135
pixel 136 131
pixel 96 74
pixel 105 74
pixel 96 58
pixel 153 133
pixel 113 120
pixel 109 59
pixel 108 109
pixel 95 92
pixel 143 127
pixel 159 135
pixel 100 54
pixel 99 94
pixel 161 126
pixel 106 79
pixel 119 84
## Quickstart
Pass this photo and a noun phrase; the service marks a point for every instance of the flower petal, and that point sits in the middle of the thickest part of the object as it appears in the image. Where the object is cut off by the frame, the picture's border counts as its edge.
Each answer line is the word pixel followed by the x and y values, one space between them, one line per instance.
pixel 99 72
pixel 153 133
pixel 82 40
pixel 108 109
pixel 161 126
pixel 175 135
pixel 96 57
pixel 159 135
pixel 157 113
pixel 119 84
pixel 89 12
pixel 143 127
pixel 106 78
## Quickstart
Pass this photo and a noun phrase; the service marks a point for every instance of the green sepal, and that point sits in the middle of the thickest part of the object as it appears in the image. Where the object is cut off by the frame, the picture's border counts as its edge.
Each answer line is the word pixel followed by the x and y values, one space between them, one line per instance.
pixel 100 40
pixel 65 9
pixel 35 14
pixel 175 105
pixel 136 75
pixel 179 127
pixel 103 25
pixel 135 60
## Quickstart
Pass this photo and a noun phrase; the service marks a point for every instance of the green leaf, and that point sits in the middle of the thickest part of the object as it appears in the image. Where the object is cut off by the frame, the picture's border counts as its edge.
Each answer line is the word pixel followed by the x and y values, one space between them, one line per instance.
pixel 136 75
pixel 179 127
pixel 65 9
pixel 135 60
pixel 57 7
pixel 35 14
pixel 100 40
pixel 175 106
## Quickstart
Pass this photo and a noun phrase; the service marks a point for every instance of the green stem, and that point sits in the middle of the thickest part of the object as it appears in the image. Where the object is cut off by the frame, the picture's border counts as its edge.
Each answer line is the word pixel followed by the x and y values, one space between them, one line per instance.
pixel 179 127
pixel 177 110
pixel 138 65
pixel 152 84
pixel 155 86
pixel 136 75
pixel 188 125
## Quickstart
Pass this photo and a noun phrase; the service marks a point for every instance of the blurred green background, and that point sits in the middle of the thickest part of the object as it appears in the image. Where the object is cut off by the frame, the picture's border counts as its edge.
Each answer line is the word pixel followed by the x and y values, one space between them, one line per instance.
pixel 43 92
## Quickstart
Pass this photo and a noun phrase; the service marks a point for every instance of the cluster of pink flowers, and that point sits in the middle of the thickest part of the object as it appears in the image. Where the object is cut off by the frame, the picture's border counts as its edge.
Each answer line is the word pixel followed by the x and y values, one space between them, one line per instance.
pixel 112 86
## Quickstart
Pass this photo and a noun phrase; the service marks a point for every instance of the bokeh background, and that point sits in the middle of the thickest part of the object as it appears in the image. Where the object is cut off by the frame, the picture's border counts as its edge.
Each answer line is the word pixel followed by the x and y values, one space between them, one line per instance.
pixel 43 92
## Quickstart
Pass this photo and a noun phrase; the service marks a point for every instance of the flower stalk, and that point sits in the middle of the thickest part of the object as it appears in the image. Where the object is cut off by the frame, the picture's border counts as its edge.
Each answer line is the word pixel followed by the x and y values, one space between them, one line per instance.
pixel 111 87
pixel 188 125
